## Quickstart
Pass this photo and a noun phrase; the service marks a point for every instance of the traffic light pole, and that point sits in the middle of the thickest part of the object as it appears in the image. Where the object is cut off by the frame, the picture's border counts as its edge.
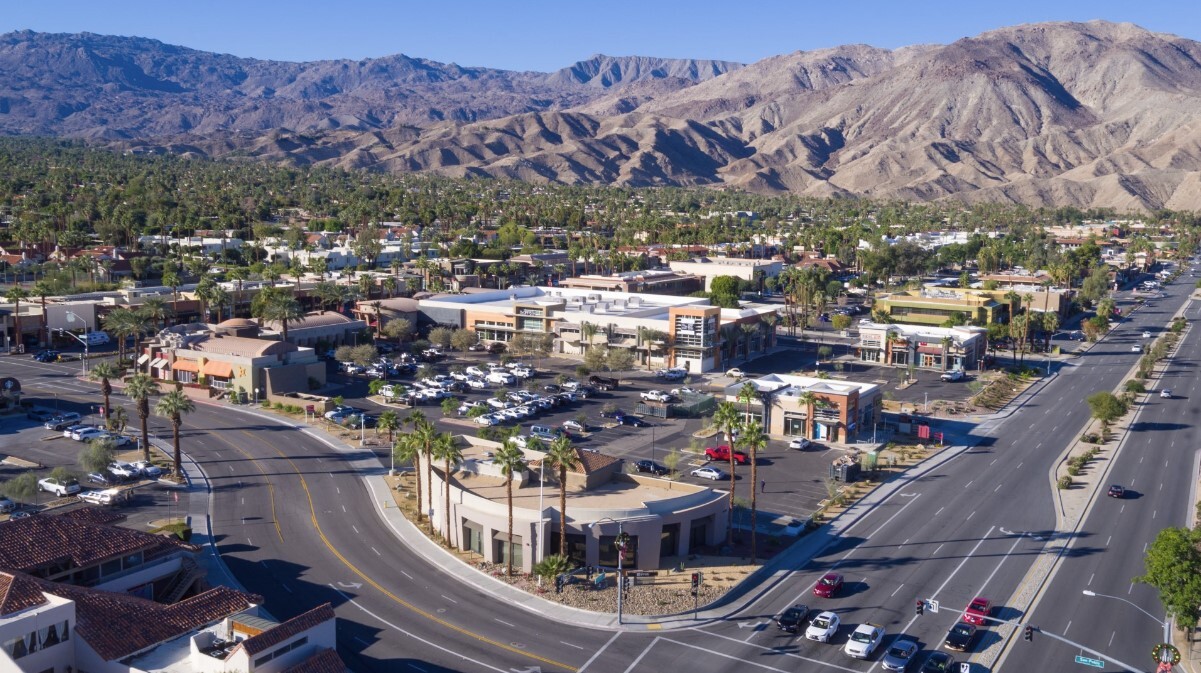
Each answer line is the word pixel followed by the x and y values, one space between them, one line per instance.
pixel 1083 648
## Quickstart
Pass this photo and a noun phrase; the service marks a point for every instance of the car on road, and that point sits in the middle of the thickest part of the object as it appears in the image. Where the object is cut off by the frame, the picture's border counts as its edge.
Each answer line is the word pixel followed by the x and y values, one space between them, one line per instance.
pixel 791 619
pixel 62 421
pixel 1166 393
pixel 828 586
pixel 1146 335
pixel 709 473
pixel 1117 491
pixel 632 421
pixel 864 640
pixel 899 655
pixel 939 662
pixel 1136 348
pixel 800 443
pixel 651 467
pixel 59 487
pixel 953 375
pixel 735 373
pixel 960 637
pixel 722 453
pixel 823 627
pixel 977 610
pixel 46 356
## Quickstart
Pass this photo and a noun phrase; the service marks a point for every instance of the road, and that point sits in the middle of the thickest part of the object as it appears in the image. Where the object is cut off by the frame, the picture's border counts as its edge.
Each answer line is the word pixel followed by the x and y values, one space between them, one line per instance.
pixel 294 522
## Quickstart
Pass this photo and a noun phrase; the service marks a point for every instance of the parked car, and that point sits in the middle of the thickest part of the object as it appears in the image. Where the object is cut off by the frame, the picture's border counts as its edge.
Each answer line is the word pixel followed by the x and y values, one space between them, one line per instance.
pixel 960 637
pixel 673 374
pixel 864 640
pixel 616 413
pixel 1117 491
pixel 573 426
pixel 632 421
pixel 655 396
pixel 341 410
pixel 828 586
pixel 500 378
pixel 59 487
pixel 88 434
pixel 102 478
pixel 477 384
pixel 722 453
pixel 1146 334
pixel 123 469
pixel 487 420
pixel 603 383
pixel 823 627
pixel 709 473
pixel 62 421
pixel 7 505
pixel 800 443
pixel 118 440
pixel 977 610
pixel 953 375
pixel 899 655
pixel 77 432
pixel 108 496
pixel 477 347
pixel 685 391
pixel 791 619
pixel 148 469
pixel 651 467
pixel 40 415
pixel 735 373
pixel 546 434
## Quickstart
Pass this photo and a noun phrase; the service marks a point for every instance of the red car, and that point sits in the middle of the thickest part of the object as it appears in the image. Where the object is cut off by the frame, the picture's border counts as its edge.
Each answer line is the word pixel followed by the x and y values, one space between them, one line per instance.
pixel 977 610
pixel 723 453
pixel 828 586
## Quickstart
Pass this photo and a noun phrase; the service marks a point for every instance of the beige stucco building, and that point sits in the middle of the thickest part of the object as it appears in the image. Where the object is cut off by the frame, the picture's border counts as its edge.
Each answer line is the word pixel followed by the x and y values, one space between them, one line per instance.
pixel 829 410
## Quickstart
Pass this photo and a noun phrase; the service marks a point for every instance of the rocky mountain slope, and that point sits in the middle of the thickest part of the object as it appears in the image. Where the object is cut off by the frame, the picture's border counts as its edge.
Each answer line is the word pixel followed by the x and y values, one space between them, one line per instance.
pixel 1093 114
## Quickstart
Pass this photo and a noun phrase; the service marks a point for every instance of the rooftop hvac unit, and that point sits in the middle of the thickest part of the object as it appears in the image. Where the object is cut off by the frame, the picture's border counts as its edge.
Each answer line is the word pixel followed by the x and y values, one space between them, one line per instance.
pixel 635 301
pixel 594 297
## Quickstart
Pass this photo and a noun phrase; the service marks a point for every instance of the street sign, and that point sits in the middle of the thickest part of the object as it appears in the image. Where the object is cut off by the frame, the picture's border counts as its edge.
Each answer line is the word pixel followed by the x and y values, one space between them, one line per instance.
pixel 932 605
pixel 1095 663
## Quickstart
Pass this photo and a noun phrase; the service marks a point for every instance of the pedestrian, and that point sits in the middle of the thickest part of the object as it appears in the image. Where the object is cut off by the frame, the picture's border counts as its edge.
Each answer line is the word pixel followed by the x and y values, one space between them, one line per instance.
pixel 763 486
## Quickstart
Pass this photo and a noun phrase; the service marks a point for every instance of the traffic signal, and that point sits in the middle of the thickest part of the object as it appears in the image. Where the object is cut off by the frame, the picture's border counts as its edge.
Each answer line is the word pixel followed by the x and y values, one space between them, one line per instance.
pixel 1028 634
pixel 696 582
pixel 920 608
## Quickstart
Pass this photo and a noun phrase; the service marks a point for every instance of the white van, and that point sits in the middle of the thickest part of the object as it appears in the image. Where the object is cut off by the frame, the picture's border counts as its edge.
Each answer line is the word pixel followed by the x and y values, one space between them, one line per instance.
pixel 97 338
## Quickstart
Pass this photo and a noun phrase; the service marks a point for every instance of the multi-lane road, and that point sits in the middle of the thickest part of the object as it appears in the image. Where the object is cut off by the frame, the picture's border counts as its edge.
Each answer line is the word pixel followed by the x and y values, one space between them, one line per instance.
pixel 293 520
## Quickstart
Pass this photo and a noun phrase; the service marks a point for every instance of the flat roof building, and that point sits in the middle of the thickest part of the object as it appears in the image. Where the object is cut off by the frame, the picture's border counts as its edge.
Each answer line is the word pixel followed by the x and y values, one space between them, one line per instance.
pixel 829 410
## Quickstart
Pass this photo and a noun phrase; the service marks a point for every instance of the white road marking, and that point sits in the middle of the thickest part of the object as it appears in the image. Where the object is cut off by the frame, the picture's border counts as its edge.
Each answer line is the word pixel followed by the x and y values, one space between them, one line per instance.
pixel 338 490
pixel 903 543
pixel 969 516
pixel 406 574
pixel 356 530
pixel 1111 637
pixel 940 509
pixel 1108 540
pixel 1154 513
pixel 1145 547
pixel 1022 463
pixel 598 652
pixel 1065 629
pixel 1140 459
pixel 344 509
pixel 968 485
pixel 1090 580
pixel 412 666
pixel 936 551
pixel 505 623
pixel 564 642
pixel 376 551
pixel 1131 589
pixel 994 462
pixel 998 487
pixel 249 542
pixel 768 650
pixel 646 650
pixel 898 589
pixel 1132 482
pixel 449 599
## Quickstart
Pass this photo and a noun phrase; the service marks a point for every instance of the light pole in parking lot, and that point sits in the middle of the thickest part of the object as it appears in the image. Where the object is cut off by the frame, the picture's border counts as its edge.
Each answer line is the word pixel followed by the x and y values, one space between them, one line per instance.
pixel 1167 629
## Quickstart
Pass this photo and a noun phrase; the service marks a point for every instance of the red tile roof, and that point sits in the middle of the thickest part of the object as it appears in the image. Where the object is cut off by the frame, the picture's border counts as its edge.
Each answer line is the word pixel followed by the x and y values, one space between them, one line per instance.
pixel 296 625
pixel 591 461
pixel 325 661
pixel 27 544
pixel 17 593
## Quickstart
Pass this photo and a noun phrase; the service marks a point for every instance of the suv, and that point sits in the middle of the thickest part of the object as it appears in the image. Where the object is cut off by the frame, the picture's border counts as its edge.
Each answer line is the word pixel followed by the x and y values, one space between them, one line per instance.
pixel 650 466
pixel 603 383
pixel 59 487
pixel 723 453
pixel 62 421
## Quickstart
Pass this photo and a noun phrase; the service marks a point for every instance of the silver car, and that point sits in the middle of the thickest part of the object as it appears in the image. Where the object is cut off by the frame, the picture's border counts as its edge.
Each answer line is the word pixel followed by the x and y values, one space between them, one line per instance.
pixel 900 655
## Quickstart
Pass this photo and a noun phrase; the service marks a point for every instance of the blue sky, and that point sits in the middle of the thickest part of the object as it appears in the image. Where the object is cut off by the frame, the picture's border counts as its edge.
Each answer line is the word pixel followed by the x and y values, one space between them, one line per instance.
pixel 545 35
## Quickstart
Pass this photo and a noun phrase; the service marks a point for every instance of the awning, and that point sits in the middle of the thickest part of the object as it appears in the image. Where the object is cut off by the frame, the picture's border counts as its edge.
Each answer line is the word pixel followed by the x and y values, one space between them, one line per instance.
pixel 158 363
pixel 142 359
pixel 930 350
pixel 185 366
pixel 220 369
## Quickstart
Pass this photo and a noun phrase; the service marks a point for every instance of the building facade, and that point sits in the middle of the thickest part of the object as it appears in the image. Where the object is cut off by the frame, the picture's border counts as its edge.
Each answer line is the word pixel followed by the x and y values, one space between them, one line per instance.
pixel 826 410
pixel 936 348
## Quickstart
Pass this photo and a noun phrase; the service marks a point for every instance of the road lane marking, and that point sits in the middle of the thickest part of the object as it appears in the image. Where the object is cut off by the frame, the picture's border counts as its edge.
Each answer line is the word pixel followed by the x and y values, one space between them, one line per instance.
pixel 969 516
pixel 998 487
pixel 564 642
pixel 285 586
pixel 898 590
pixel 936 550
pixel 512 626
pixel 449 599
pixel 1021 464
pixel 767 650
pixel 356 529
pixel 1108 540
pixel 1065 629
pixel 1154 513
pixel 1131 589
pixel 940 509
pixel 967 485
pixel 638 660
pixel 994 462
pixel 598 652
pixel 1090 580
pixel 1111 637
pixel 376 551
pixel 406 574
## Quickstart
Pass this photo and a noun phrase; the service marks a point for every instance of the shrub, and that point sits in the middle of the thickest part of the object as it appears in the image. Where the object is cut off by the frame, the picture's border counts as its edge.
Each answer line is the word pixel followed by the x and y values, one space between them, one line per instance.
pixel 1064 483
pixel 1135 387
pixel 1073 470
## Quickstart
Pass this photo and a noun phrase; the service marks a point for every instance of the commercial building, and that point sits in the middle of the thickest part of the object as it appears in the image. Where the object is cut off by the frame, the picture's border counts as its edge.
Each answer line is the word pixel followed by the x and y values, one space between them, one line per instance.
pixel 664 519
pixel 937 348
pixel 937 305
pixel 659 330
pixel 639 282
pixel 827 410
pixel 751 270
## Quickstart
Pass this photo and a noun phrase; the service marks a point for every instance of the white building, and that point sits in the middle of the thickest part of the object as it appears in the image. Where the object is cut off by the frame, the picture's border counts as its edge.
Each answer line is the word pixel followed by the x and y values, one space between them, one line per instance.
pixel 746 269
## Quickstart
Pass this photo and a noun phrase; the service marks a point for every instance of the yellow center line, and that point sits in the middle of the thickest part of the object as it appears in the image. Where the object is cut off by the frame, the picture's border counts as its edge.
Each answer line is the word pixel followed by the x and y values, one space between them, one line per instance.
pixel 270 486
pixel 428 615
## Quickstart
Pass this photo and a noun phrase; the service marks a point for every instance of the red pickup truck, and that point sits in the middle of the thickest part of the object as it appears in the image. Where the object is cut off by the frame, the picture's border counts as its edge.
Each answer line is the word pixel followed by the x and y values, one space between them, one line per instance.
pixel 722 453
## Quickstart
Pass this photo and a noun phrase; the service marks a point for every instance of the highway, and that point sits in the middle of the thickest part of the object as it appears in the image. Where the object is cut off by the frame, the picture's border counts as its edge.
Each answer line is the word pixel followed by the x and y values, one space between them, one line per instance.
pixel 294 522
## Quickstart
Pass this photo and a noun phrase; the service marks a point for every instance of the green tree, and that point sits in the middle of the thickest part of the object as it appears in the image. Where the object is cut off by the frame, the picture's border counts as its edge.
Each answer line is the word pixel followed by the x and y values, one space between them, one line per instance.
pixel 389 422
pixel 726 287
pixel 427 437
pixel 1173 566
pixel 175 405
pixel 407 449
pixel 399 329
pixel 140 388
pixel 562 456
pixel 277 306
pixel 1106 407
pixel 619 359
pixel 98 454
pixel 22 488
pixel 727 418
pixel 754 440
pixel 840 321
pixel 16 295
pixel 462 339
pixel 102 372
pixel 441 336
pixel 511 461
pixel 447 449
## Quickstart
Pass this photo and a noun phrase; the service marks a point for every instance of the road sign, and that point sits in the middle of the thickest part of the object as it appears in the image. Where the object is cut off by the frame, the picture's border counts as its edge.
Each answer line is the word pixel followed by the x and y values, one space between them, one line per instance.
pixel 1095 663
pixel 932 605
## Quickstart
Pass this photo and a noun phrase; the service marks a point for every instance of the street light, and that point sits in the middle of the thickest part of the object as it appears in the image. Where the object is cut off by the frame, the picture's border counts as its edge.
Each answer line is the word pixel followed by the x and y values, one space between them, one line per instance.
pixel 1167 629
pixel 622 541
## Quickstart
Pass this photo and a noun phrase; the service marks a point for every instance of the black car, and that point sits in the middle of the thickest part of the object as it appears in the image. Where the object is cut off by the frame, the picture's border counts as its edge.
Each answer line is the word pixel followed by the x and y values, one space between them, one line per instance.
pixel 551 388
pixel 617 413
pixel 46 356
pixel 791 619
pixel 632 421
pixel 939 662
pixel 960 637
pixel 652 467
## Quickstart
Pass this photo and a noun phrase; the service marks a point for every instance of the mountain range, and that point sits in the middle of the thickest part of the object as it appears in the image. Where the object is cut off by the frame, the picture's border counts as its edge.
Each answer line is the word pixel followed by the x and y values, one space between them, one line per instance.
pixel 1090 114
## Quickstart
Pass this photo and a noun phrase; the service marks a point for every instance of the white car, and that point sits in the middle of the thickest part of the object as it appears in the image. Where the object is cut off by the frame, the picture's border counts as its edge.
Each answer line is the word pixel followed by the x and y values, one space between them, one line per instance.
pixel 500 378
pixel 70 432
pixel 800 443
pixel 685 391
pixel 477 384
pixel 708 473
pixel 1136 349
pixel 149 469
pixel 106 497
pixel 735 373
pixel 1146 335
pixel 496 403
pixel 487 420
pixel 1166 393
pixel 864 640
pixel 574 426
pixel 465 407
pixel 823 627
pixel 123 469
pixel 523 373
pixel 476 371
pixel 521 441
pixel 459 376
pixel 59 487
pixel 655 396
pixel 88 434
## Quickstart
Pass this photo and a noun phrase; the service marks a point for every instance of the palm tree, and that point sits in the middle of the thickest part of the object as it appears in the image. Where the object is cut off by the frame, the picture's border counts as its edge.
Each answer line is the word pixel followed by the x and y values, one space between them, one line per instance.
pixel 102 373
pixel 156 310
pixel 389 422
pixel 754 439
pixel 408 450
pixel 426 436
pixel 174 405
pixel 16 295
pixel 171 280
pixel 727 418
pixel 41 290
pixel 769 321
pixel 447 448
pixel 748 329
pixel 510 460
pixel 748 393
pixel 118 420
pixel 280 307
pixel 219 298
pixel 140 388
pixel 562 456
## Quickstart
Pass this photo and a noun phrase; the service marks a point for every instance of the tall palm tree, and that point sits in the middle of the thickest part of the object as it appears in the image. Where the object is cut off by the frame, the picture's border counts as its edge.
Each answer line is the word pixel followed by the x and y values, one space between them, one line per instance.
pixel 511 461
pixel 389 422
pixel 16 294
pixel 770 321
pixel 219 298
pixel 727 418
pixel 746 394
pixel 754 439
pixel 447 448
pixel 562 456
pixel 174 405
pixel 427 436
pixel 748 329
pixel 41 290
pixel 140 388
pixel 102 373
pixel 407 449
pixel 281 308
pixel 156 310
